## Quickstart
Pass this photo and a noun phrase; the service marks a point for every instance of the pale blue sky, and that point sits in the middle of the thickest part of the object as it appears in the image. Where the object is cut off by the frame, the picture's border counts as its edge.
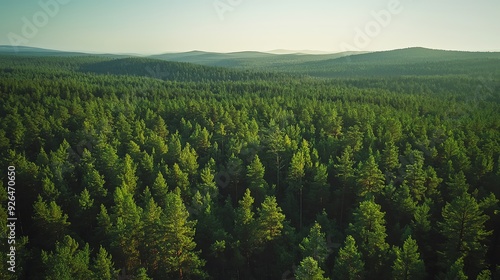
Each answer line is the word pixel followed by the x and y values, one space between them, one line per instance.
pixel 157 26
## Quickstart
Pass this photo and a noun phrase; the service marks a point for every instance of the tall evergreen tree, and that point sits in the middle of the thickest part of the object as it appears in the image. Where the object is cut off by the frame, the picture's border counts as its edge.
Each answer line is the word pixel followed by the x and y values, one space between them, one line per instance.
pixel 67 261
pixel 126 231
pixel 207 177
pixel 245 224
pixel 309 270
pixel 128 176
pixel 255 179
pixel 371 179
pixel 314 245
pixel 345 172
pixel 296 174
pixel 463 226
pixel 368 228
pixel 270 220
pixel 415 177
pixel 50 220
pixel 349 263
pixel 188 161
pixel 103 266
pixel 160 189
pixel 408 264
pixel 92 180
pixel 390 160
pixel 456 271
pixel 181 260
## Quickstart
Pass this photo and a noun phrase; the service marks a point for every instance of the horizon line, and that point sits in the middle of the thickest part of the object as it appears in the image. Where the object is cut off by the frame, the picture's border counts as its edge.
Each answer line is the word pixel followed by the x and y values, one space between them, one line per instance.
pixel 281 51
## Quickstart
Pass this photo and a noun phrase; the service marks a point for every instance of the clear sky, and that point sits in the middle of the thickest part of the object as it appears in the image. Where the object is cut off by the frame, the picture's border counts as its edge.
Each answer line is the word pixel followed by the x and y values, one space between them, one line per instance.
pixel 158 26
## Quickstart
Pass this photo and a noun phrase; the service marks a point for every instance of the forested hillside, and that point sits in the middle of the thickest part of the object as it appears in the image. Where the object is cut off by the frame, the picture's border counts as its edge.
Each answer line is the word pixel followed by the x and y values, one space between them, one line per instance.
pixel 409 62
pixel 143 169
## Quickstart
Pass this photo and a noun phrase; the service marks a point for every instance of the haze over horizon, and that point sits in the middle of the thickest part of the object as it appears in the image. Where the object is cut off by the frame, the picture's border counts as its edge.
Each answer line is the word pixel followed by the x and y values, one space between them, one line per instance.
pixel 154 26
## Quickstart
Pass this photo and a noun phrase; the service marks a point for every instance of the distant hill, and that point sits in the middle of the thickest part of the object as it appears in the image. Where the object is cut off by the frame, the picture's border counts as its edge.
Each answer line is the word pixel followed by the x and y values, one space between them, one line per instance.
pixel 401 62
pixel 404 62
pixel 32 51
pixel 282 51
pixel 417 55
pixel 174 71
pixel 20 50
pixel 249 59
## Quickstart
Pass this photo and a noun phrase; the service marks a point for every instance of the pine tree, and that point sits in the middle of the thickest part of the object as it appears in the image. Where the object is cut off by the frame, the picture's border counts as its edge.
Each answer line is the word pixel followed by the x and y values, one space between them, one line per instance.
pixel 179 255
pixel 160 189
pixel 107 162
pixel 142 274
pixel 354 138
pixel 371 179
pixel 50 220
pixel 235 173
pixel 207 177
pixel 368 229
pixel 314 245
pixel 456 271
pixel 200 139
pixel 270 220
pixel 318 195
pixel 174 148
pixel 188 161
pixel 179 179
pixel 276 144
pixel 62 168
pixel 103 266
pixel 255 179
pixel 67 261
pixel 390 160
pixel 103 224
pixel 408 264
pixel 153 239
pixel 92 180
pixel 49 190
pixel 415 177
pixel 432 183
pixel 245 220
pixel 126 232
pixel 85 200
pixel 404 202
pixel 421 224
pixel 457 185
pixel 345 172
pixel 160 128
pixel 128 176
pixel 296 174
pixel 345 166
pixel 349 263
pixel 309 270
pixel 463 226
pixel 484 275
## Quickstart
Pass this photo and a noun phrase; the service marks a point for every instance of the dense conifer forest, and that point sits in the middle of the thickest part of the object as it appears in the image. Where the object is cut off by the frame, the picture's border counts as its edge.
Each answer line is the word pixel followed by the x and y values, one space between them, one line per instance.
pixel 137 168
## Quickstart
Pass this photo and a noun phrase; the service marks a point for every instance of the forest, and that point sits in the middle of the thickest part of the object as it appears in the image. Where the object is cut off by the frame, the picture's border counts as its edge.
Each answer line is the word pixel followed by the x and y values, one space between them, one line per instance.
pixel 139 168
